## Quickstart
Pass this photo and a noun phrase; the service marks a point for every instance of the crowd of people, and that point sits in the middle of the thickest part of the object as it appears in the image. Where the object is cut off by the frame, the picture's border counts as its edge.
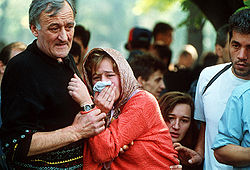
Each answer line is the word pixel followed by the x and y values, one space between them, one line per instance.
pixel 63 107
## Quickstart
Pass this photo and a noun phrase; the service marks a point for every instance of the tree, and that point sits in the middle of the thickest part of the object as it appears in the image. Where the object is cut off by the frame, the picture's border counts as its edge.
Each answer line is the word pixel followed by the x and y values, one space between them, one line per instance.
pixel 218 11
pixel 195 20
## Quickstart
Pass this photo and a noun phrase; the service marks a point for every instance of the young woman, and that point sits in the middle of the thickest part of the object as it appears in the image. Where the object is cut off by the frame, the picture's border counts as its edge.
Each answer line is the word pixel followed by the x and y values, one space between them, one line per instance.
pixel 133 115
pixel 178 110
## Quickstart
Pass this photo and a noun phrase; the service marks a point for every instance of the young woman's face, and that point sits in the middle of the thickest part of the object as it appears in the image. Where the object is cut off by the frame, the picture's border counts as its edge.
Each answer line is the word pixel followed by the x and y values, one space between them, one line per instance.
pixel 105 72
pixel 179 121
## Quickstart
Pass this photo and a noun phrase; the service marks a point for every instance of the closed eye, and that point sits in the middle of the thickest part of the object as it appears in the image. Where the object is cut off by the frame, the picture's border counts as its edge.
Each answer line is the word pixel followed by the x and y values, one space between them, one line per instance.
pixel 110 75
pixel 96 77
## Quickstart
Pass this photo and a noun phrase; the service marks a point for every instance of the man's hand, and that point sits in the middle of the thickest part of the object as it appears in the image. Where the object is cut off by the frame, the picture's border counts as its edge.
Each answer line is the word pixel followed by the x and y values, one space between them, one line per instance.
pixel 90 124
pixel 188 156
pixel 84 126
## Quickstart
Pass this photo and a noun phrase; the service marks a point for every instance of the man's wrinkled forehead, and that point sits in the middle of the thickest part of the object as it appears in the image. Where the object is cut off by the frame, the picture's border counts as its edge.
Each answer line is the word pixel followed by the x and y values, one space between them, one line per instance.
pixel 52 9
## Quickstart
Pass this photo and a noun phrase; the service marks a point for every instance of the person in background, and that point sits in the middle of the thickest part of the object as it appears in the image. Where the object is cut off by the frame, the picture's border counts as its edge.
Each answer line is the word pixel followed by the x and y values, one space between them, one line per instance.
pixel 221 44
pixel 181 76
pixel 127 106
pixel 187 57
pixel 163 34
pixel 177 109
pixel 8 52
pixel 139 42
pixel 149 71
pixel 82 37
pixel 163 52
pixel 210 104
pixel 76 52
pixel 41 121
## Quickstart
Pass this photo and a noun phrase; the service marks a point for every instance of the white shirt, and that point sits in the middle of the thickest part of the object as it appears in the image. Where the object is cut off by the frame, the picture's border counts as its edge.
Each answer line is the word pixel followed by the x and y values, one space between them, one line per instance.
pixel 210 106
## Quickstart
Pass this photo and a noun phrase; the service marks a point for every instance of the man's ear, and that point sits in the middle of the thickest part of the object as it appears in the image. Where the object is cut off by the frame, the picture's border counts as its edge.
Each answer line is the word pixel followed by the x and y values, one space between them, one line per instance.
pixel 219 50
pixel 34 30
pixel 85 50
pixel 130 46
pixel 2 67
pixel 140 80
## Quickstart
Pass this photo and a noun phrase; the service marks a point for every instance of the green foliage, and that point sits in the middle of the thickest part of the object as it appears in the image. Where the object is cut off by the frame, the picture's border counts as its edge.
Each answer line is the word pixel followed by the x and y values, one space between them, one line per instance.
pixel 195 18
pixel 14 21
pixel 162 5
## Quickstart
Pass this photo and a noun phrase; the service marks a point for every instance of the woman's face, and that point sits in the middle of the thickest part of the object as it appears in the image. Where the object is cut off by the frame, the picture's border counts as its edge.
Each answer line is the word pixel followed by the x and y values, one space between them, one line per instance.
pixel 179 121
pixel 105 72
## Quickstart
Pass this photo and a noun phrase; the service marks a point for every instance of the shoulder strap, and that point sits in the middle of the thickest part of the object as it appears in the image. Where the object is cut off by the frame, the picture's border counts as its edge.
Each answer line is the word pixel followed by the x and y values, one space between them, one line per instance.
pixel 216 76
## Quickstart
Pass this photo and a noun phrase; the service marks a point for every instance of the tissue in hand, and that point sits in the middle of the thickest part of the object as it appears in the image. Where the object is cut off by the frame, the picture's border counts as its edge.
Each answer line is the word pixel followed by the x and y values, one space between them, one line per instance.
pixel 101 85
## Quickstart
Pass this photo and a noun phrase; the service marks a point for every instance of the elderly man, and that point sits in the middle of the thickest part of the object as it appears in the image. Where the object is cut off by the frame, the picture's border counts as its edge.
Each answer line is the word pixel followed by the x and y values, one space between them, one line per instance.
pixel 41 124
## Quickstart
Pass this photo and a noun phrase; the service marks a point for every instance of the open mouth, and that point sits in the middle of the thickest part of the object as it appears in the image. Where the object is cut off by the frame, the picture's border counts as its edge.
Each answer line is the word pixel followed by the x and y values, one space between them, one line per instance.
pixel 174 135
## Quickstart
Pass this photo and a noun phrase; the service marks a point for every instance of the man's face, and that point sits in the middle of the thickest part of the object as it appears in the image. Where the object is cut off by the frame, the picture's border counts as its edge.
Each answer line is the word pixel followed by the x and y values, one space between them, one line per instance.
pixel 56 33
pixel 154 84
pixel 239 51
pixel 168 38
pixel 79 41
pixel 186 61
pixel 165 38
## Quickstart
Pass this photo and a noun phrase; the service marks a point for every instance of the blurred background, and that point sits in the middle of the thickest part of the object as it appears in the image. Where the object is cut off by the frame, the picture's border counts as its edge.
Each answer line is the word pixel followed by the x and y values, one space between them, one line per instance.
pixel 109 21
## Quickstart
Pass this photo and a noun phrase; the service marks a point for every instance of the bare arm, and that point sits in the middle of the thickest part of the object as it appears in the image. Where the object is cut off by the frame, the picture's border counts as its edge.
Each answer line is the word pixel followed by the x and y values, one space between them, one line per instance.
pixel 233 155
pixel 84 126
pixel 200 146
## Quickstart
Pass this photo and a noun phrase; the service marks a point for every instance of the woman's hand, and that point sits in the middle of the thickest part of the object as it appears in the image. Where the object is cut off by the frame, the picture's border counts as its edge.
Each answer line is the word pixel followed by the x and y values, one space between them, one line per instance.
pixel 105 99
pixel 188 156
pixel 78 91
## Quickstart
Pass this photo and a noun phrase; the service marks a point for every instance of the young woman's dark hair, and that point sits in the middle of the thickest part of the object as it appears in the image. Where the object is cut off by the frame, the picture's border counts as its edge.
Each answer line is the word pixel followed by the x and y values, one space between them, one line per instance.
pixel 168 102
